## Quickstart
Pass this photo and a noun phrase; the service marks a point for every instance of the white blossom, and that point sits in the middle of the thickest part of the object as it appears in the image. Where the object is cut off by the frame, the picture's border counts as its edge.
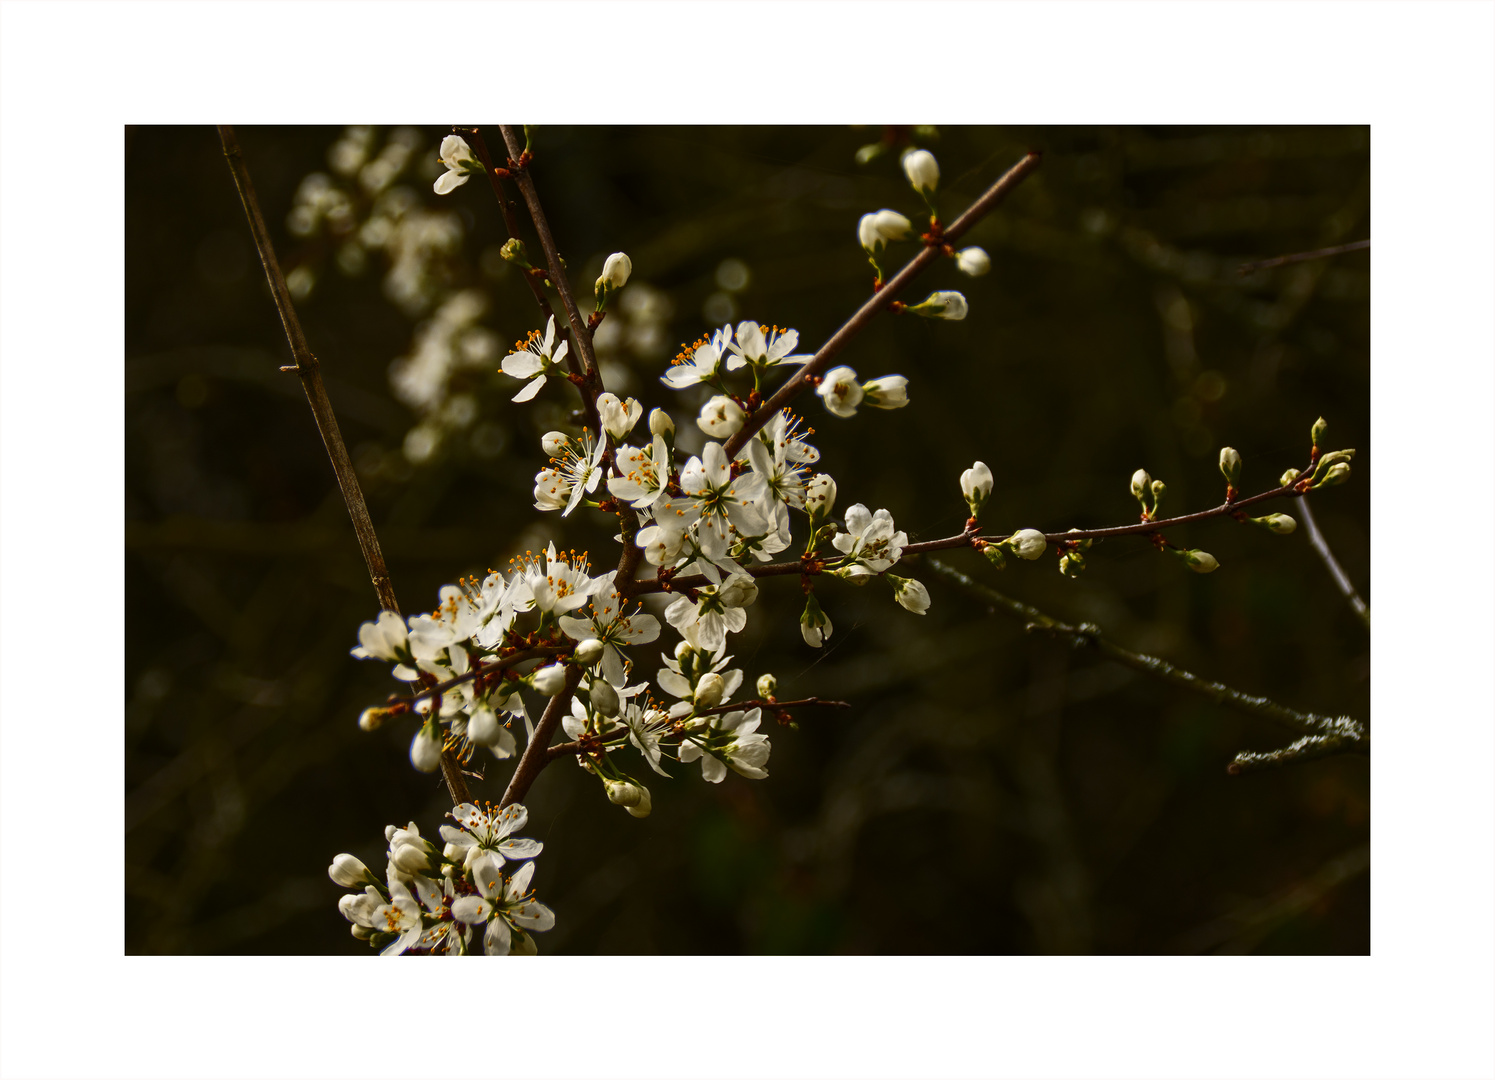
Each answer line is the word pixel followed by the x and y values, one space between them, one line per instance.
pixel 720 418
pixel 875 231
pixel 483 836
pixel 922 170
pixel 870 540
pixel 702 363
pixel 460 163
pixel 615 272
pixel 972 261
pixel 728 741
pixel 976 484
pixel 574 473
pixel 618 417
pixel 753 346
pixel 888 392
pixel 840 391
pixel 645 474
pixel 610 623
pixel 505 907
pixel 535 358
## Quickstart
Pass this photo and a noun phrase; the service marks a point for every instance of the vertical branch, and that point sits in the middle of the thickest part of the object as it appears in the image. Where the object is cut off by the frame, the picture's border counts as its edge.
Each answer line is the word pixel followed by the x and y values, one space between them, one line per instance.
pixel 537 752
pixel 309 370
pixel 1316 538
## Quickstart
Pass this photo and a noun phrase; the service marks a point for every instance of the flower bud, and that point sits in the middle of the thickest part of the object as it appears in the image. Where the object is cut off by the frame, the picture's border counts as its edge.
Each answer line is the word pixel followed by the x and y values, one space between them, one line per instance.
pixel 373 719
pixel 684 650
pixel 624 793
pixel 820 496
pixel 1201 562
pixel 1288 477
pixel 1140 485
pixel 1159 489
pixel 709 691
pixel 1317 431
pixel 661 424
pixel 554 443
pixel 549 681
pixel 589 651
pixel 1071 563
pixel 349 872
pixel 453 854
pixel 994 556
pixel 976 484
pixel 910 594
pixel 814 624
pixel 411 857
pixel 1337 474
pixel 942 305
pixel 604 697
pixel 876 231
pixel 513 251
pixel 644 805
pixel 721 417
pixel 1230 466
pixel 972 261
pixel 1281 524
pixel 425 748
pixel 922 170
pixel 615 271
pixel 768 686
pixel 1026 543
pixel 483 727
pixel 840 391
pixel 888 392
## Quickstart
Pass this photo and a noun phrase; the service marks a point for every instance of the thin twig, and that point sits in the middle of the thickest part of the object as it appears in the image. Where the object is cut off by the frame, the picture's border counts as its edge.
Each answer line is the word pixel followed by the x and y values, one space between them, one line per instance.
pixel 308 369
pixel 536 752
pixel 511 222
pixel 1305 256
pixel 879 300
pixel 1316 538
pixel 501 664
pixel 1346 735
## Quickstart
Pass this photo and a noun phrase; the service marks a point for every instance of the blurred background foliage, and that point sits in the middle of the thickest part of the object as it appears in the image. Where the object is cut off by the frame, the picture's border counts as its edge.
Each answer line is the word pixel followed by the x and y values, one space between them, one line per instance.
pixel 988 792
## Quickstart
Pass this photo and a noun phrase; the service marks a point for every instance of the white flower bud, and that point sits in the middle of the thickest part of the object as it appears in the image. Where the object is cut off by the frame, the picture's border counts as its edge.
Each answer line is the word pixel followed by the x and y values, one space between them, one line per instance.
pixel 410 857
pixel 483 727
pixel 661 424
pixel 840 391
pixel 1337 474
pixel 453 854
pixel 589 651
pixel 1141 482
pixel 976 484
pixel 876 231
pixel 922 170
pixel 551 680
pixel 1288 477
pixel 554 443
pixel 1027 543
pixel 888 392
pixel 740 590
pixel 604 697
pixel 623 793
pixel 820 496
pixel 644 805
pixel 709 691
pixel 972 261
pixel 373 719
pixel 615 271
pixel 942 305
pixel 768 686
pixel 1230 466
pixel 425 748
pixel 721 417
pixel 683 650
pixel 349 872
pixel 911 595
pixel 1201 562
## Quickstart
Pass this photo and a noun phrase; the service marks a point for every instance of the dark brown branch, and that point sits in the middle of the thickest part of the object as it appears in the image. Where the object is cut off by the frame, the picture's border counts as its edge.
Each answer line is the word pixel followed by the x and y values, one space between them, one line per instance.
pixel 511 224
pixel 878 302
pixel 579 335
pixel 1305 256
pixel 536 755
pixel 1320 545
pixel 307 368
pixel 1331 735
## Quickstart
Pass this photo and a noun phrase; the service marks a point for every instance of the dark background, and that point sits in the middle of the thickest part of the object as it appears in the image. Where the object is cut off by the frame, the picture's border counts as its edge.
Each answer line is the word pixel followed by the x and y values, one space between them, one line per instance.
pixel 989 792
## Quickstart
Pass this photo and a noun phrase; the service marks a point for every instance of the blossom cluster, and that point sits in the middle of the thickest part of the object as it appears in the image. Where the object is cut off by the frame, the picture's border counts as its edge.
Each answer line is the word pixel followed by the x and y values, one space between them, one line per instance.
pixel 435 901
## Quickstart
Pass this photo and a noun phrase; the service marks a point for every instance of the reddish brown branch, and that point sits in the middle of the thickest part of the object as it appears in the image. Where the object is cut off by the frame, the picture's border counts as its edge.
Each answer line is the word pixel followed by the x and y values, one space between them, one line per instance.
pixel 536 755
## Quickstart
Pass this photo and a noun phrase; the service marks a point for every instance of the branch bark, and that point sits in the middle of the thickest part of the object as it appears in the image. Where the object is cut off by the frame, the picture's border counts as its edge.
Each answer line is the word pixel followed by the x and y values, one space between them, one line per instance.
pixel 308 369
pixel 536 752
